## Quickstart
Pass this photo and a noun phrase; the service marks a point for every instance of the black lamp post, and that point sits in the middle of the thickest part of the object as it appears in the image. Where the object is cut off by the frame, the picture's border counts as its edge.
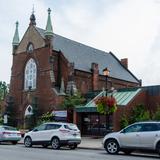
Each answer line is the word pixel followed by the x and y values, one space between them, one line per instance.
pixel 106 74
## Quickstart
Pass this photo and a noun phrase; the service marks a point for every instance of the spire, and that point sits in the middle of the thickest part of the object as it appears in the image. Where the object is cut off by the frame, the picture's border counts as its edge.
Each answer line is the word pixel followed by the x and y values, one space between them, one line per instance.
pixel 15 41
pixel 49 30
pixel 32 18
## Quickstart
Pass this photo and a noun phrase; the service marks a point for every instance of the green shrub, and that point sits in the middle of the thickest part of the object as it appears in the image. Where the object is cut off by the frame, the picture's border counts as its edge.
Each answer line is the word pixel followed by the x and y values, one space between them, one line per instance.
pixel 124 121
pixel 156 116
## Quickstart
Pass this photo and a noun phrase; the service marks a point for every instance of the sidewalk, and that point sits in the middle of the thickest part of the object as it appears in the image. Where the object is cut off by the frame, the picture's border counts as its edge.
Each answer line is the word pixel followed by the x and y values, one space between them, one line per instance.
pixel 87 143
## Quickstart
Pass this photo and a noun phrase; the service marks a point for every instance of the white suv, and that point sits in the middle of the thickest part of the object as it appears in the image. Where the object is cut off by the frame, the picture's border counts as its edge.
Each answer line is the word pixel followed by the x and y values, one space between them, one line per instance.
pixel 56 134
pixel 140 135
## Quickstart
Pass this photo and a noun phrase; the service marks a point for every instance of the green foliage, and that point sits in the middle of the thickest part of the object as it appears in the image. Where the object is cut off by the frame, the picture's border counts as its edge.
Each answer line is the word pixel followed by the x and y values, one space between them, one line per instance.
pixel 46 117
pixel 139 113
pixel 3 90
pixel 124 121
pixel 156 116
pixel 71 101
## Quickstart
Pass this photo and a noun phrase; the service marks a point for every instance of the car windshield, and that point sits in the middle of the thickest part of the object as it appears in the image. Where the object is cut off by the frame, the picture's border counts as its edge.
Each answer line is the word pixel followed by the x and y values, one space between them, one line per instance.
pixel 71 127
pixel 9 128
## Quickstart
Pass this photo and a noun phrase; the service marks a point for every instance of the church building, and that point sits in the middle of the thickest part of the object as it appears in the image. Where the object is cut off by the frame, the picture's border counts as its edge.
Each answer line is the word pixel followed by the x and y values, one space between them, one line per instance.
pixel 46 67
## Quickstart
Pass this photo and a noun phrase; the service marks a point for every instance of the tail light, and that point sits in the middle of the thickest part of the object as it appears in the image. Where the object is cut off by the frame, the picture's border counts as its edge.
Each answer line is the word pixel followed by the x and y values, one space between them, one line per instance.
pixel 6 133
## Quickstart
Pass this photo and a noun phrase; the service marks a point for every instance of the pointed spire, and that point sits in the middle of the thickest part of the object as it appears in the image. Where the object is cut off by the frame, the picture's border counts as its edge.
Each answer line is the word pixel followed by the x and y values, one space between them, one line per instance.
pixel 32 18
pixel 49 30
pixel 15 41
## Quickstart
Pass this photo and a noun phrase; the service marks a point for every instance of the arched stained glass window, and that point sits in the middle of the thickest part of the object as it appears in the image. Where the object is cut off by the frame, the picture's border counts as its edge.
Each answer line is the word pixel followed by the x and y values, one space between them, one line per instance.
pixel 30 75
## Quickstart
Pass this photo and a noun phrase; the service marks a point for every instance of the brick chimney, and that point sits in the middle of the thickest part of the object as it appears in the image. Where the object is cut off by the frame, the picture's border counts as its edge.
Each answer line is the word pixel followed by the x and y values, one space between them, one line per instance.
pixel 124 62
pixel 95 74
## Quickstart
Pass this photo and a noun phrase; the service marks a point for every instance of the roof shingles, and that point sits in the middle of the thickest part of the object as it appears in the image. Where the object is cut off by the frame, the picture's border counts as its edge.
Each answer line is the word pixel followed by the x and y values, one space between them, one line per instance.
pixel 83 56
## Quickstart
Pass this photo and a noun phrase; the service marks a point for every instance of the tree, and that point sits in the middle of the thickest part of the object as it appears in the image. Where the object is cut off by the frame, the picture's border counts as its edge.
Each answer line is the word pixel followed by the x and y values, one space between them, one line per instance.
pixel 70 102
pixel 3 90
pixel 3 93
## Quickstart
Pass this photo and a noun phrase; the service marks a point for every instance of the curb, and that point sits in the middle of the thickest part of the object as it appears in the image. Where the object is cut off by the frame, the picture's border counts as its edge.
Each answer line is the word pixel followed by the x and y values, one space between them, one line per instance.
pixel 90 148
pixel 79 147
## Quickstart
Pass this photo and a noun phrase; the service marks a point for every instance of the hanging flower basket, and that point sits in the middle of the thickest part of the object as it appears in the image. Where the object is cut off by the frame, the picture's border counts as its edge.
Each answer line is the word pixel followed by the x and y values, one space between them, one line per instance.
pixel 106 105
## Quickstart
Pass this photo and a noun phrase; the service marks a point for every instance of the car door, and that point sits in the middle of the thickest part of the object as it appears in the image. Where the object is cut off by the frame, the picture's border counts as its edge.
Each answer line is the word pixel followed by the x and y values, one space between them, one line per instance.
pixel 129 137
pixel 148 135
pixel 39 133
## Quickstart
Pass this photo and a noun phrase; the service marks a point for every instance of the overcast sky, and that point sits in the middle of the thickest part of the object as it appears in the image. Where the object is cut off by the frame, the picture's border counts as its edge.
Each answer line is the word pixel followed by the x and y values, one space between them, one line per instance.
pixel 128 28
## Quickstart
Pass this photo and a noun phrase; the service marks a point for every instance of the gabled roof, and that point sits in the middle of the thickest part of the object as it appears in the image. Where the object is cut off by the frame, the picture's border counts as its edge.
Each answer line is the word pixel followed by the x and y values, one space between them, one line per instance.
pixel 123 97
pixel 83 56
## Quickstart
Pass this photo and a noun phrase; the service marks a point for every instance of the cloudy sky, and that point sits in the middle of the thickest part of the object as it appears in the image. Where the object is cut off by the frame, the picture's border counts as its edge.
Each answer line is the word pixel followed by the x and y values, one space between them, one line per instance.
pixel 128 28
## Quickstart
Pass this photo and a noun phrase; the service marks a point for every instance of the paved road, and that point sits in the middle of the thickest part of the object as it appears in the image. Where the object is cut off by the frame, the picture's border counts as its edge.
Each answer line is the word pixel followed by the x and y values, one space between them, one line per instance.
pixel 19 152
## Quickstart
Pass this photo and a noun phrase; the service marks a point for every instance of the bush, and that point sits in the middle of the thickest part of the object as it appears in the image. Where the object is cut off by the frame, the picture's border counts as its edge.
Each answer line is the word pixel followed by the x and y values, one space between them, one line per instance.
pixel 156 116
pixel 124 121
pixel 139 113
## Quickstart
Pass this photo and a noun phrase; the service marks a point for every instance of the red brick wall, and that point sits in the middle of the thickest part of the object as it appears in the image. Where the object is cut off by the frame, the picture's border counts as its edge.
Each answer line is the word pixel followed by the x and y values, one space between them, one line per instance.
pixel 138 99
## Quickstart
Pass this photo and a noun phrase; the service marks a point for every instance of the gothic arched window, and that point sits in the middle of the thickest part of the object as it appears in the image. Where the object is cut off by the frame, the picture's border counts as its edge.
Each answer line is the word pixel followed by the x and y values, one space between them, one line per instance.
pixel 30 75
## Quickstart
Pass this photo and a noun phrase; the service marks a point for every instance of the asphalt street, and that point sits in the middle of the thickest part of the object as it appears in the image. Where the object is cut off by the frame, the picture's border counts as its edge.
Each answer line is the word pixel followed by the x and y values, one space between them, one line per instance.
pixel 19 152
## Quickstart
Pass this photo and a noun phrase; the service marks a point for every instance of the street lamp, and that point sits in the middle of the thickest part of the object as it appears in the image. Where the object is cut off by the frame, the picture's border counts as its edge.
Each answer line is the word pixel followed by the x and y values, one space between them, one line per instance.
pixel 106 74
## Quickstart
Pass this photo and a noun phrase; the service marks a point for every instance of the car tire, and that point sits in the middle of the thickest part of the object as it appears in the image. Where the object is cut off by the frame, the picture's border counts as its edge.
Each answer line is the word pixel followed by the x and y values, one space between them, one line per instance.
pixel 73 146
pixel 14 142
pixel 28 142
pixel 158 148
pixel 112 146
pixel 55 143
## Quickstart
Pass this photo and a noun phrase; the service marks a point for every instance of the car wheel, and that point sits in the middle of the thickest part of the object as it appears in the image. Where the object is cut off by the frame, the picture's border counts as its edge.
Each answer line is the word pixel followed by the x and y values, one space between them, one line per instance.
pixel 112 147
pixel 158 148
pixel 14 142
pixel 55 143
pixel 44 145
pixel 28 142
pixel 73 146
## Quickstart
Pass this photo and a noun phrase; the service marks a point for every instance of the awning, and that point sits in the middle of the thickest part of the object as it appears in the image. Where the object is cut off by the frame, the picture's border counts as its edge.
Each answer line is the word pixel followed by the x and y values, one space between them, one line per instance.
pixel 122 96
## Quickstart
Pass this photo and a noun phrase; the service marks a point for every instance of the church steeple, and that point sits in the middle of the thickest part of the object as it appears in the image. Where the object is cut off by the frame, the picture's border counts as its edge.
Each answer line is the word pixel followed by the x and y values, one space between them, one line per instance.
pixel 32 19
pixel 15 41
pixel 49 30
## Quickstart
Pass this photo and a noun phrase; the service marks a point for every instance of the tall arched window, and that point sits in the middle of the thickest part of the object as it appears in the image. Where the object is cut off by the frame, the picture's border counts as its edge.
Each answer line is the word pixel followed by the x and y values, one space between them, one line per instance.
pixel 30 75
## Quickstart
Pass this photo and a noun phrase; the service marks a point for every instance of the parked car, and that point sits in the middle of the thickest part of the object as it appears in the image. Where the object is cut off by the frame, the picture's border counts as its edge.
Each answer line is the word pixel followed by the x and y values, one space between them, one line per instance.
pixel 56 134
pixel 138 136
pixel 9 134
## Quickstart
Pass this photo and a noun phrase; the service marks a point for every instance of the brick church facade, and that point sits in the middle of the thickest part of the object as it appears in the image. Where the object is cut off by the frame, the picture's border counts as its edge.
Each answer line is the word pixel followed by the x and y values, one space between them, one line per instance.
pixel 46 67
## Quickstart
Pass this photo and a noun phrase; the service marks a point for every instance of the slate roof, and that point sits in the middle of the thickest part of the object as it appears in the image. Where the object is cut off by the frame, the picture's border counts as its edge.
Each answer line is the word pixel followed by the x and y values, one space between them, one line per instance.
pixel 83 56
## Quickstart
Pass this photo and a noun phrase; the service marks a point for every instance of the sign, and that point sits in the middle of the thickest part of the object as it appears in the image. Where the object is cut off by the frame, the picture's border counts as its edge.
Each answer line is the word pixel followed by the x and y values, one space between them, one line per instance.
pixel 5 120
pixel 60 113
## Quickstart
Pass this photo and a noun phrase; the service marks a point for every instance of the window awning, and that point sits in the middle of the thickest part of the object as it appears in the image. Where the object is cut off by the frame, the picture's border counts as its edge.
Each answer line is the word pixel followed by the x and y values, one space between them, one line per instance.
pixel 122 96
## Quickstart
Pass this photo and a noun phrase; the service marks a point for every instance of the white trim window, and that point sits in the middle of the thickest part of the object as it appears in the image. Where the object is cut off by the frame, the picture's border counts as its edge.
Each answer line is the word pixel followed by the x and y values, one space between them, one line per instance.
pixel 28 111
pixel 30 75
